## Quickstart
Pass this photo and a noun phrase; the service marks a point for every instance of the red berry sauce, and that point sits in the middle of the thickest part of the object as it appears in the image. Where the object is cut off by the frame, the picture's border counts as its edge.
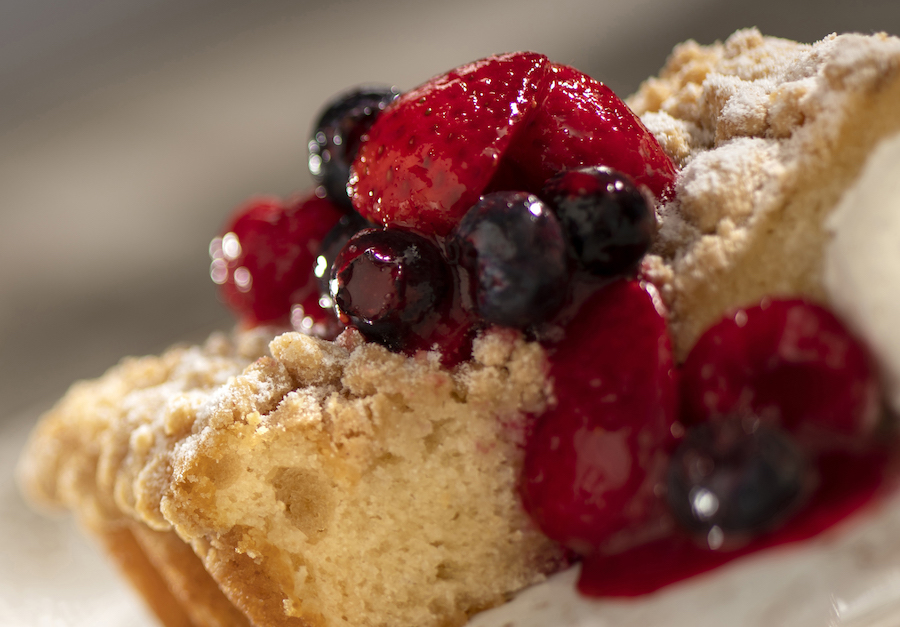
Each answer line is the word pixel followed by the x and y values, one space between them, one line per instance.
pixel 792 365
pixel 848 484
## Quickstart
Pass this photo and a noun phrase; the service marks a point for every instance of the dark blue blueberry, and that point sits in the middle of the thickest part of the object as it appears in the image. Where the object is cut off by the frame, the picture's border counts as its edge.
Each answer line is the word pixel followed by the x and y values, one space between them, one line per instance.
pixel 387 283
pixel 348 226
pixel 609 222
pixel 514 248
pixel 725 480
pixel 336 136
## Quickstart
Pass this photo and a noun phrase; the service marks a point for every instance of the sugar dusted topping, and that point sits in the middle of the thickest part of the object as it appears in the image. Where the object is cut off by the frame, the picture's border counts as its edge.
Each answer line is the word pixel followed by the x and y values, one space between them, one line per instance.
pixel 769 133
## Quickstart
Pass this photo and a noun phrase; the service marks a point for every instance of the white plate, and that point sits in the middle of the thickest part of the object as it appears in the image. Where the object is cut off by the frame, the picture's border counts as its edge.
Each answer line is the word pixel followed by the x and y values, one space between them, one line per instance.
pixel 52 576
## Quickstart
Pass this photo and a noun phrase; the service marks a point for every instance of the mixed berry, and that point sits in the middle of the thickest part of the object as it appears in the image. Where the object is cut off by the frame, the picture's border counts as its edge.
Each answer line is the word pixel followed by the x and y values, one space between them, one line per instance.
pixel 517 192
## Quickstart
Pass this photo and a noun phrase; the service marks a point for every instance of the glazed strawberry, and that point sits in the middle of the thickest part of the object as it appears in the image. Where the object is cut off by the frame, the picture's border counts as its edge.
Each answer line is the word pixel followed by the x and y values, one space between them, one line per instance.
pixel 264 261
pixel 432 152
pixel 581 122
pixel 596 462
pixel 506 123
pixel 788 362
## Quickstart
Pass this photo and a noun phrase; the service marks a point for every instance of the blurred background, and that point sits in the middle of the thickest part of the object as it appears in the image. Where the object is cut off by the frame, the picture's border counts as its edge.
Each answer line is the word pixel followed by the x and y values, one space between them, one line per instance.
pixel 129 129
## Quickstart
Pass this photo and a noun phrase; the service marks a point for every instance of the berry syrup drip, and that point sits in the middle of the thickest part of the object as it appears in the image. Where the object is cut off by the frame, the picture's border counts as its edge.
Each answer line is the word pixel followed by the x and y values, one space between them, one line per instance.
pixel 764 463
pixel 519 193
pixel 849 484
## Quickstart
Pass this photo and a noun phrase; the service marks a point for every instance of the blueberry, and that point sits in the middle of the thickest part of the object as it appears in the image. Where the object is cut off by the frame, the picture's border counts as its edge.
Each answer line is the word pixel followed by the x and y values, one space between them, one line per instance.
pixel 609 221
pixel 514 248
pixel 336 136
pixel 742 483
pixel 388 283
pixel 349 225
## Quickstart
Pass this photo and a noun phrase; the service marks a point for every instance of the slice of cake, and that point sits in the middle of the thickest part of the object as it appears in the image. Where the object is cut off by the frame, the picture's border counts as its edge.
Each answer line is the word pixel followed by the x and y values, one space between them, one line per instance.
pixel 324 485
pixel 397 474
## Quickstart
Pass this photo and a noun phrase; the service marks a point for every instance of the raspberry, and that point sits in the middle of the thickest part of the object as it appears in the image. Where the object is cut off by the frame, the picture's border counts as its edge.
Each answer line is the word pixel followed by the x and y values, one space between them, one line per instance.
pixel 264 262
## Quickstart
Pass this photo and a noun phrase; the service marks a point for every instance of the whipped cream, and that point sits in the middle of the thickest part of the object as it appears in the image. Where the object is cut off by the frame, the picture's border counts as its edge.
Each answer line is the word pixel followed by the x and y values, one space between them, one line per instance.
pixel 862 261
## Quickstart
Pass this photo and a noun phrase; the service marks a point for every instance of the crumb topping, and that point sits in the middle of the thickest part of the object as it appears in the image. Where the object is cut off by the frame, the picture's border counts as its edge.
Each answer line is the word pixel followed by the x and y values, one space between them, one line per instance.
pixel 769 134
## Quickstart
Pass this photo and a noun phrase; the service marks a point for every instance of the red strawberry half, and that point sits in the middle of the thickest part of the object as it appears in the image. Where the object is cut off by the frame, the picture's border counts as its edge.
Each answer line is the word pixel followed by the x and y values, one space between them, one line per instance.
pixel 508 122
pixel 595 462
pixel 581 122
pixel 431 153
pixel 787 362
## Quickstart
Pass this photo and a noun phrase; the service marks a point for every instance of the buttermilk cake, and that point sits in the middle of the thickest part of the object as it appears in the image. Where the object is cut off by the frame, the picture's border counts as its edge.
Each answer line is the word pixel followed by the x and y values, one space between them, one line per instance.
pixel 321 470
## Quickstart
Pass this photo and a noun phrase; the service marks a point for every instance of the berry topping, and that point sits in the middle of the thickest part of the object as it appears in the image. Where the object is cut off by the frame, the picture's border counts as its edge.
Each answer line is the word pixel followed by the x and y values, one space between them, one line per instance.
pixel 264 261
pixel 609 222
pixel 791 363
pixel 514 247
pixel 581 122
pixel 348 226
pixel 736 477
pixel 596 462
pixel 431 153
pixel 508 122
pixel 337 134
pixel 390 284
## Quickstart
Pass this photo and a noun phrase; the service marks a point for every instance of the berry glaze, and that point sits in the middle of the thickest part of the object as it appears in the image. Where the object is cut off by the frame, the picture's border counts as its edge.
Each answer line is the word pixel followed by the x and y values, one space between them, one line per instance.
pixel 520 193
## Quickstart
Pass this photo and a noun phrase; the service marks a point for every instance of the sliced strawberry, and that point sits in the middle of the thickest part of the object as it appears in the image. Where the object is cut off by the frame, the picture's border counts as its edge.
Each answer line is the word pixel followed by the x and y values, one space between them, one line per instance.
pixel 788 362
pixel 581 122
pixel 596 461
pixel 432 152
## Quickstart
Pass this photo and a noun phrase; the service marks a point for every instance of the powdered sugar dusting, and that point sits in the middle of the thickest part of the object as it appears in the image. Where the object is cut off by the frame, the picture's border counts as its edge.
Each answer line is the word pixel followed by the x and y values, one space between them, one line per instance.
pixel 764 131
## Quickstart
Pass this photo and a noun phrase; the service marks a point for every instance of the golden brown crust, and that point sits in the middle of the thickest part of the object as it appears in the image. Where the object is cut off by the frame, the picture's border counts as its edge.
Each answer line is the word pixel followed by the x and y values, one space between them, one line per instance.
pixel 190 585
pixel 131 559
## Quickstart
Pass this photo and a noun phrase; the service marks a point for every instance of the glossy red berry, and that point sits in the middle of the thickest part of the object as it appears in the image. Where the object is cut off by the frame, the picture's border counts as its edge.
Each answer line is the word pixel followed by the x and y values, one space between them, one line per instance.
pixel 505 123
pixel 431 153
pixel 596 463
pixel 581 122
pixel 790 363
pixel 264 262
